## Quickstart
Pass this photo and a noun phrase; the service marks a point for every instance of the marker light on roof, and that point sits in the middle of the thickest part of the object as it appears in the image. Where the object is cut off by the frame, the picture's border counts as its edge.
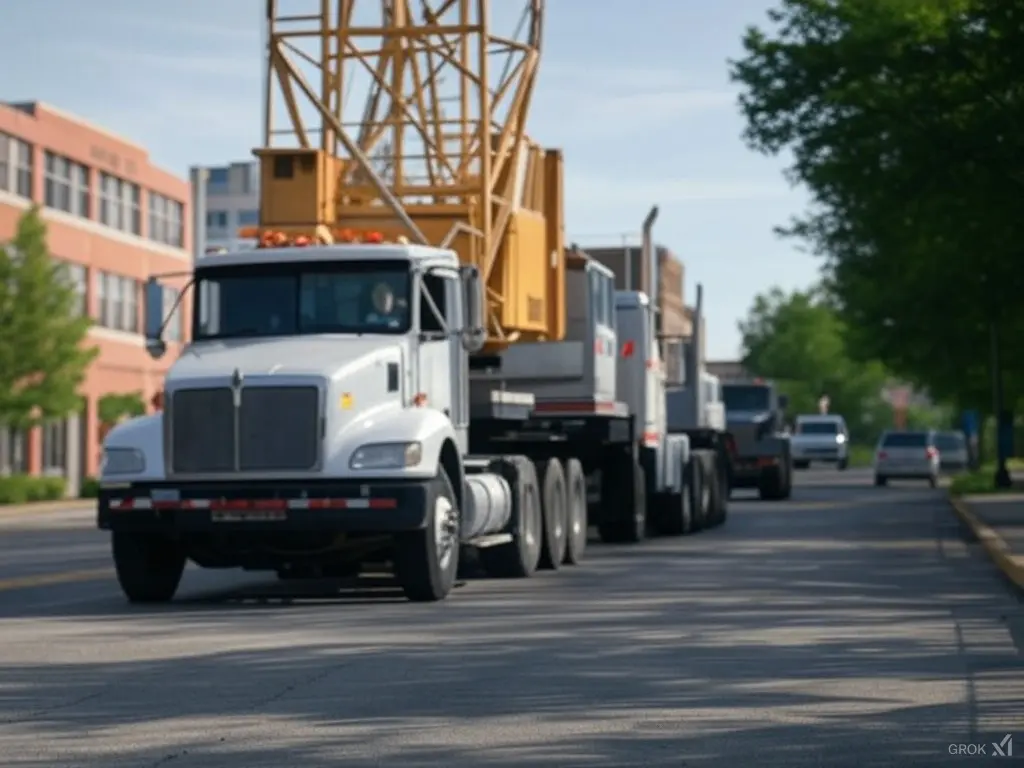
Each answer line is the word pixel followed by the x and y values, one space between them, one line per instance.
pixel 271 238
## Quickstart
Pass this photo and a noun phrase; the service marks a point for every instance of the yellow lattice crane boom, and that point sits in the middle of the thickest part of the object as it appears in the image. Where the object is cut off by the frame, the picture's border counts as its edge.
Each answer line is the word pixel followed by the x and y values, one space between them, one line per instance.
pixel 407 117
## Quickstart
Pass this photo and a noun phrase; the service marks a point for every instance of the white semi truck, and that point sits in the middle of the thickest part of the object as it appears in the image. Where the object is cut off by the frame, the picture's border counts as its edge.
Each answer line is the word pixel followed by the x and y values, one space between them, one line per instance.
pixel 305 433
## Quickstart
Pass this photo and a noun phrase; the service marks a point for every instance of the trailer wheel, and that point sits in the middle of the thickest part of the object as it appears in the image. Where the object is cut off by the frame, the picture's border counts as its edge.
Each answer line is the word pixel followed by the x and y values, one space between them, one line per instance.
pixel 519 558
pixel 675 517
pixel 554 502
pixel 699 489
pixel 427 560
pixel 148 567
pixel 623 502
pixel 576 512
pixel 720 496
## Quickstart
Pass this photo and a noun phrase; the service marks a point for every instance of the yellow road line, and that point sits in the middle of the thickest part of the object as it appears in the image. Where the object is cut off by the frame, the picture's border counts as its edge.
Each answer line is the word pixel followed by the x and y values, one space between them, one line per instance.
pixel 1011 564
pixel 49 579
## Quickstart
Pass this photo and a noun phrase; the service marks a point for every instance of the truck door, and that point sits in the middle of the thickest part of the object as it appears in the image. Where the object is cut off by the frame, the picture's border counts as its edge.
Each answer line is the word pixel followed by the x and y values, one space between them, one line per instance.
pixel 434 351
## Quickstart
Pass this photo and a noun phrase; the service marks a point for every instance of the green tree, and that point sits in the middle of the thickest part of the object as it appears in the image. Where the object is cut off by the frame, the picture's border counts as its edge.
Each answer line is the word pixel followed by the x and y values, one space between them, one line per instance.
pixel 798 341
pixel 42 356
pixel 903 118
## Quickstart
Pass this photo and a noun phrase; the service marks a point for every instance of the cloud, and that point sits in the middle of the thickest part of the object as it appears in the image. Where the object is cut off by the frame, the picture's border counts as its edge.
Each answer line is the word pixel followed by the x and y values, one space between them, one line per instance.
pixel 585 190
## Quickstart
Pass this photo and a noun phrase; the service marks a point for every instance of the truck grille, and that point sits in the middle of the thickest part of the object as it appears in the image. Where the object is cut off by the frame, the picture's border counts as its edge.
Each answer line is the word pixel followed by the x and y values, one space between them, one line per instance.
pixel 278 429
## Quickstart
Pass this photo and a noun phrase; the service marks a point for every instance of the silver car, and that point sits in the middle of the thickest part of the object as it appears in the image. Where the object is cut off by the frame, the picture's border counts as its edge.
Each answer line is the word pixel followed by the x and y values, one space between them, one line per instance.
pixel 820 437
pixel 910 455
pixel 953 454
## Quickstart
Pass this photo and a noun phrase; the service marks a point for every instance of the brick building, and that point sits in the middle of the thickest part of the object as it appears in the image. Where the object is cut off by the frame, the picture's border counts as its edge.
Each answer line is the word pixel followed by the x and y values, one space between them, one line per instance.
pixel 114 219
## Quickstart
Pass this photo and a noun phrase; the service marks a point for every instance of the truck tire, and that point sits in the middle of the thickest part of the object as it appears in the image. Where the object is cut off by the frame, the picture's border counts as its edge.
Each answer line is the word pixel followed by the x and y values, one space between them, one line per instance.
pixel 674 514
pixel 720 492
pixel 805 465
pixel 427 560
pixel 623 502
pixel 576 509
pixel 148 567
pixel 699 491
pixel 843 464
pixel 554 504
pixel 519 558
pixel 776 484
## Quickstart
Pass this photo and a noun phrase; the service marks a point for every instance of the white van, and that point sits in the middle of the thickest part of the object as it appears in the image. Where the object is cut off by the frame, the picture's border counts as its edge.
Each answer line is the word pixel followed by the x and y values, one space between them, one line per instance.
pixel 820 437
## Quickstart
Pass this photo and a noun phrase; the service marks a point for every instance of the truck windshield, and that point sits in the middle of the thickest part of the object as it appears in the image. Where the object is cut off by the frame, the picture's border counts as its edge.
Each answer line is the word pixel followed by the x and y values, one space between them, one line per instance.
pixel 817 428
pixel 293 298
pixel 739 397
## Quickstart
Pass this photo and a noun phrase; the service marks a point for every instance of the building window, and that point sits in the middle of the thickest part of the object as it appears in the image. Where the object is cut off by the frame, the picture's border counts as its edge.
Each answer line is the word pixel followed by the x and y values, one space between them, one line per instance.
pixel 13 451
pixel 118 299
pixel 166 220
pixel 120 204
pixel 66 185
pixel 218 181
pixel 217 219
pixel 175 323
pixel 6 166
pixel 23 167
pixel 248 218
pixel 55 447
pixel 130 291
pixel 77 277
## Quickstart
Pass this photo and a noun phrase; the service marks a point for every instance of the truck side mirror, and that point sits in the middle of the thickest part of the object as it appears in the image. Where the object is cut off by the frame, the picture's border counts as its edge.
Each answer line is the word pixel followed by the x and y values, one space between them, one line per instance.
pixel 474 331
pixel 783 402
pixel 154 312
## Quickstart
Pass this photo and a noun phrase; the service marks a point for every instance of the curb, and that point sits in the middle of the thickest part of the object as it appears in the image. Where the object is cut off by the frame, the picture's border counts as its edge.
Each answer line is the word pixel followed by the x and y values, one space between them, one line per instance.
pixel 45 507
pixel 998 550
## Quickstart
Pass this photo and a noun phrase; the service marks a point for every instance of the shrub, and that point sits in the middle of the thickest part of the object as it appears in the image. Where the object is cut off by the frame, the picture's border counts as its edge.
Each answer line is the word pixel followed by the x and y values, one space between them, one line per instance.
pixel 90 488
pixel 21 489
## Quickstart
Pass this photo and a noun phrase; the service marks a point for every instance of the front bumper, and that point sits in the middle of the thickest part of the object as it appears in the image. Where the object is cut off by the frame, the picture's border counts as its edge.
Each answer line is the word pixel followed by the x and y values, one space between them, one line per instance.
pixel 387 506
pixel 751 471
pixel 833 452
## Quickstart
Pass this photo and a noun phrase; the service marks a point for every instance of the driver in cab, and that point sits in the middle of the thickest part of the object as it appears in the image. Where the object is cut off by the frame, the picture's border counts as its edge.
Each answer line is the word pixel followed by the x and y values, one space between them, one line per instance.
pixel 385 311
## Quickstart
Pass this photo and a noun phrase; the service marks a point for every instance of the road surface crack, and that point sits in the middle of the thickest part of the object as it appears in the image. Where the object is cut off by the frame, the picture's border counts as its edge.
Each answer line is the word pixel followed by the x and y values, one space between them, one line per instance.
pixel 259 704
pixel 24 718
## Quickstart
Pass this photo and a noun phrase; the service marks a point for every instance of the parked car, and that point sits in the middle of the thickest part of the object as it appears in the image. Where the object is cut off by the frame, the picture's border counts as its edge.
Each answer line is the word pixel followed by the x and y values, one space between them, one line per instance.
pixel 820 437
pixel 907 455
pixel 953 453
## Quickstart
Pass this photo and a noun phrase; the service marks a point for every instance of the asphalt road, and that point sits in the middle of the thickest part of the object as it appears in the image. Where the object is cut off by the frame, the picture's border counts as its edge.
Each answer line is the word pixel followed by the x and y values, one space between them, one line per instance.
pixel 851 626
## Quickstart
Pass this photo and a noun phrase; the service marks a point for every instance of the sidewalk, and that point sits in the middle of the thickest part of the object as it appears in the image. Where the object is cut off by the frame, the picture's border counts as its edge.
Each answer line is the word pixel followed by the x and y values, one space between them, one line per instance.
pixel 45 507
pixel 997 521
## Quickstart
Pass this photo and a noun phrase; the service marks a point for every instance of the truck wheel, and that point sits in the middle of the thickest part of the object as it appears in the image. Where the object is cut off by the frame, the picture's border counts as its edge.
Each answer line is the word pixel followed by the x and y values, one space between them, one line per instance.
pixel 426 561
pixel 719 493
pixel 520 557
pixel 554 502
pixel 623 502
pixel 675 518
pixel 843 464
pixel 149 567
pixel 804 465
pixel 700 493
pixel 576 512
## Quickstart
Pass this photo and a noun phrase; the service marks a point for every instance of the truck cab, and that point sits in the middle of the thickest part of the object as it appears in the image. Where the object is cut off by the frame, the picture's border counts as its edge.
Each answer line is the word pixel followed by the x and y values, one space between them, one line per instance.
pixel 318 416
pixel 754 412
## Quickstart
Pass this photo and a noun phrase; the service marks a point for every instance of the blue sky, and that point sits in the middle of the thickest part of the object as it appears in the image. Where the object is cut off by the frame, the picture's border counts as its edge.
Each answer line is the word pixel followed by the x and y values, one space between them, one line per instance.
pixel 636 94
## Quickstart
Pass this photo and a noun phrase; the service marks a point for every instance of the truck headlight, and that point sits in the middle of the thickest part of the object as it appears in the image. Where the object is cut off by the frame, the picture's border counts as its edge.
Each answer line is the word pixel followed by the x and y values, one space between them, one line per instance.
pixel 122 461
pixel 387 456
pixel 840 439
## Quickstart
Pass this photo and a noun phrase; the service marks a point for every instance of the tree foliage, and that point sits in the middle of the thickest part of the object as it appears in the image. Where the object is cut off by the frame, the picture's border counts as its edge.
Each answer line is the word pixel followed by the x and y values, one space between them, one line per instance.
pixel 904 119
pixel 42 357
pixel 798 341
